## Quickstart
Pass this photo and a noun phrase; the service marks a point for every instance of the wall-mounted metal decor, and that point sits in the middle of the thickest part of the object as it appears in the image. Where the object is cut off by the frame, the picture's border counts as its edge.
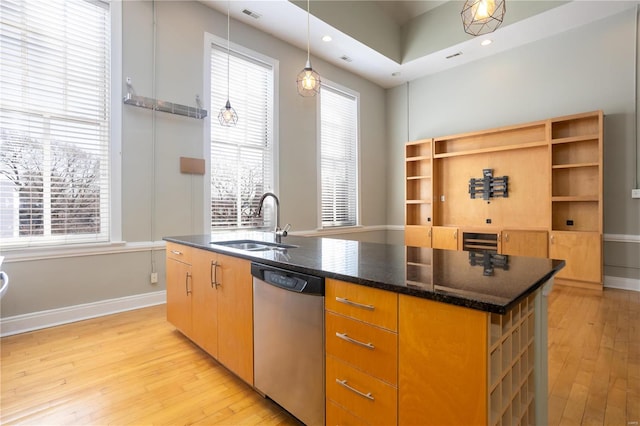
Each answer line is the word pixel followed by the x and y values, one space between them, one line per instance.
pixel 489 261
pixel 489 186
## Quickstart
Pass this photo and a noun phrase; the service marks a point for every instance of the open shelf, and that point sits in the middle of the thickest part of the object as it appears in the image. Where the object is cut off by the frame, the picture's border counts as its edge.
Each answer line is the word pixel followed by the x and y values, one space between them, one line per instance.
pixel 491 149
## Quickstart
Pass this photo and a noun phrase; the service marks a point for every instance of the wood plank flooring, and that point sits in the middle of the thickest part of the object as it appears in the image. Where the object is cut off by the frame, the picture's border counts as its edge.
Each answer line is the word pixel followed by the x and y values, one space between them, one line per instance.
pixel 594 357
pixel 133 368
pixel 125 369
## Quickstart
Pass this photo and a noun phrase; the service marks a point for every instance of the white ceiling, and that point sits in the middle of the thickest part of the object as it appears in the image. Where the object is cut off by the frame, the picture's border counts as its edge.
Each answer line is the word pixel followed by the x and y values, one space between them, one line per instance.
pixel 288 22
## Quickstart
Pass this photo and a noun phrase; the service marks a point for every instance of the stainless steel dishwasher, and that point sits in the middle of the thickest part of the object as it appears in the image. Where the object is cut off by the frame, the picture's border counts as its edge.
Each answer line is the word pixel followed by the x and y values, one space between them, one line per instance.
pixel 288 337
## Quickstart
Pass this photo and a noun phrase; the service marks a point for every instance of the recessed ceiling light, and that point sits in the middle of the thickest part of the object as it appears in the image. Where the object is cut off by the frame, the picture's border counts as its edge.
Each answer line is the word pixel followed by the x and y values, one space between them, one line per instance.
pixel 486 42
pixel 326 38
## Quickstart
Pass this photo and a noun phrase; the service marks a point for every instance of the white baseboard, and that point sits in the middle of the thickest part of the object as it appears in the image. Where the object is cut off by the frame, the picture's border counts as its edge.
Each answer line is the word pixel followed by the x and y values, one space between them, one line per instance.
pixel 44 319
pixel 622 283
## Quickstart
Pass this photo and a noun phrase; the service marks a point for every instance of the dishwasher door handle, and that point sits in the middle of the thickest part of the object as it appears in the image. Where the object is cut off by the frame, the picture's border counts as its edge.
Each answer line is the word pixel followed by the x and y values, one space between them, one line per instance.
pixel 352 389
pixel 344 336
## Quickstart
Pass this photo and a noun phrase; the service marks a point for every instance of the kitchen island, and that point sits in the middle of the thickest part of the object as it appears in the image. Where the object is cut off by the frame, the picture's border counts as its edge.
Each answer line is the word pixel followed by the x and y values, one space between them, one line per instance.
pixel 464 333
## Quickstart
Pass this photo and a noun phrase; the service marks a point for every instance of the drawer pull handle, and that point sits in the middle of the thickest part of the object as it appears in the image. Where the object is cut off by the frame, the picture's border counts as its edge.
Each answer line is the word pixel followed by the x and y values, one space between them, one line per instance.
pixel 362 394
pixel 176 252
pixel 356 304
pixel 344 336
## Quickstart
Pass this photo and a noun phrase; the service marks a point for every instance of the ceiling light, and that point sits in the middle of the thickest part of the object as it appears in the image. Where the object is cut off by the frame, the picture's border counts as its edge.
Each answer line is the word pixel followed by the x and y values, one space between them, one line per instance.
pixel 308 80
pixel 227 115
pixel 486 42
pixel 326 38
pixel 482 16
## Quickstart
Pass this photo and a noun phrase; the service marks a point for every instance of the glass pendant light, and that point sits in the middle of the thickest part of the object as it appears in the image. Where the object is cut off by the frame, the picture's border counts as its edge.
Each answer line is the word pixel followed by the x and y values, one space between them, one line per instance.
pixel 308 80
pixel 228 116
pixel 482 16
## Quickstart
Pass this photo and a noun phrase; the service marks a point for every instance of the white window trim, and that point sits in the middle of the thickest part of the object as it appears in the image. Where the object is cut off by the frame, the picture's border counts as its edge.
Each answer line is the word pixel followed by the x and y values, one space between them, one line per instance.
pixel 356 95
pixel 210 39
pixel 115 172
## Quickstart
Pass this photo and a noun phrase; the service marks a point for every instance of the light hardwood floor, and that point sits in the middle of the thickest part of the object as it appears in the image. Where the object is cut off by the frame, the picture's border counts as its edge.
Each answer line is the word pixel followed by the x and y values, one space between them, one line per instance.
pixel 134 368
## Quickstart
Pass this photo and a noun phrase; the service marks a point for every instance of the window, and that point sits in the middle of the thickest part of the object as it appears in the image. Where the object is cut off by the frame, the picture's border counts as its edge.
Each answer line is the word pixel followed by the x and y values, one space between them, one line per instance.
pixel 242 159
pixel 338 156
pixel 54 121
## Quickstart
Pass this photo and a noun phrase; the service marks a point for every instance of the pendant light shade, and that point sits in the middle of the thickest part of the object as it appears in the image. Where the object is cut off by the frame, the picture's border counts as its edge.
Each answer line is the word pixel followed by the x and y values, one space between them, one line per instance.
pixel 482 16
pixel 228 116
pixel 308 80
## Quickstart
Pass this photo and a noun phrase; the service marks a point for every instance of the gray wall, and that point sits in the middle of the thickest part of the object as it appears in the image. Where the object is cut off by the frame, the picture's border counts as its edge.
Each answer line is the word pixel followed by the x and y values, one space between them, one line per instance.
pixel 581 70
pixel 157 200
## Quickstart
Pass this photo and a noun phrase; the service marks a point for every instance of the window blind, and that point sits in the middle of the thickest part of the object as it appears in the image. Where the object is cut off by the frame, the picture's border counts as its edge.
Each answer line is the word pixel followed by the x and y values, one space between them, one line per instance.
pixel 54 121
pixel 241 156
pixel 338 157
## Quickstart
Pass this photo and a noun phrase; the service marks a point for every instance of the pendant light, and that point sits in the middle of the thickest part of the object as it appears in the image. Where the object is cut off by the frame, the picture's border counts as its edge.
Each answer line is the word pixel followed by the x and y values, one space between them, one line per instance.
pixel 308 80
pixel 228 116
pixel 482 16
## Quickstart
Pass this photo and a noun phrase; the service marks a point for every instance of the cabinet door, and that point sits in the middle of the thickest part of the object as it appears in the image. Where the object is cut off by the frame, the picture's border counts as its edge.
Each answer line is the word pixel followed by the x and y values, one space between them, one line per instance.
pixel 582 252
pixel 417 236
pixel 235 316
pixel 524 243
pixel 444 237
pixel 442 365
pixel 205 301
pixel 179 288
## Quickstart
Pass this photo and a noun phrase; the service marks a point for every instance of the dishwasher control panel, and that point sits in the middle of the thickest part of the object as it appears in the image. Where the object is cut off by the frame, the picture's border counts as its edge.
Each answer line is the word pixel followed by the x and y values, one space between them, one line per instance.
pixel 288 280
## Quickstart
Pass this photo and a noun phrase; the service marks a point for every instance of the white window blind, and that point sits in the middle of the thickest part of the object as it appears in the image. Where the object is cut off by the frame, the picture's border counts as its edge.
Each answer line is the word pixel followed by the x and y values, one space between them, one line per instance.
pixel 54 121
pixel 338 157
pixel 241 156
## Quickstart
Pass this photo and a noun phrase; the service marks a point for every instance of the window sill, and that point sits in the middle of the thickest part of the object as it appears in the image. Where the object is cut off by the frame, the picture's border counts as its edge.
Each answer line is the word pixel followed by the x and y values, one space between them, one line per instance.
pixel 59 252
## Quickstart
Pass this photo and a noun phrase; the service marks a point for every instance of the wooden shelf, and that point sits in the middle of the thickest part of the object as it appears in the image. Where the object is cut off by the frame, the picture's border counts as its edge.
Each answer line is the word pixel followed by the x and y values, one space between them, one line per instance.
pixel 574 166
pixel 418 201
pixel 492 149
pixel 574 198
pixel 420 158
pixel 418 177
pixel 573 139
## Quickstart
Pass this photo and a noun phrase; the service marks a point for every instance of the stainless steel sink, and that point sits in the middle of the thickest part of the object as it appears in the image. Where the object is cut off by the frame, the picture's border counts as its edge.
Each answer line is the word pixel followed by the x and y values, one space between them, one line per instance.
pixel 252 245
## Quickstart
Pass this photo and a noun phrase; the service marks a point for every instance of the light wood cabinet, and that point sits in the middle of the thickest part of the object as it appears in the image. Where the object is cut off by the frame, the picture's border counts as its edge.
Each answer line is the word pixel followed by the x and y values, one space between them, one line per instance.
pixel 418 193
pixel 210 300
pixel 179 284
pixel 524 243
pixel 582 252
pixel 235 316
pixel 555 184
pixel 444 237
pixel 361 354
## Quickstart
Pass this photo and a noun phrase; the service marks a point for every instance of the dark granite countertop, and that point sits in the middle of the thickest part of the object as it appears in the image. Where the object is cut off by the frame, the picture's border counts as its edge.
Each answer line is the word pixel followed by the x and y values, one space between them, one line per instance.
pixel 446 276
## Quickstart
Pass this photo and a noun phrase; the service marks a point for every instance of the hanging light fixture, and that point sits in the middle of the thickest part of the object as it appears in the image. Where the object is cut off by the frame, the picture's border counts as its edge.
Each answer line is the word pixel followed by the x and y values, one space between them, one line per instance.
pixel 308 80
pixel 228 116
pixel 482 16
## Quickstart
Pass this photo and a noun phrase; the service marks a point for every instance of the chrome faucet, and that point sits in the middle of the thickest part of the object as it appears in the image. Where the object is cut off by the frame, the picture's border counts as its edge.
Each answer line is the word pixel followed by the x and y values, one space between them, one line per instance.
pixel 279 232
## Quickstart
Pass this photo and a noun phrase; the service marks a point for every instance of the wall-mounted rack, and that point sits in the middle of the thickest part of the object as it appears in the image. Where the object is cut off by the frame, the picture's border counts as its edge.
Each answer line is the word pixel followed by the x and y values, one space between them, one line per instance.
pixel 163 106
pixel 489 186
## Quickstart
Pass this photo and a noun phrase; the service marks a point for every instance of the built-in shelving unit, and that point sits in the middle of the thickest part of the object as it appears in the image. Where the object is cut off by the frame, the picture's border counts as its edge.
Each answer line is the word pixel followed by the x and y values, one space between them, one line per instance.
pixel 554 171
pixel 511 366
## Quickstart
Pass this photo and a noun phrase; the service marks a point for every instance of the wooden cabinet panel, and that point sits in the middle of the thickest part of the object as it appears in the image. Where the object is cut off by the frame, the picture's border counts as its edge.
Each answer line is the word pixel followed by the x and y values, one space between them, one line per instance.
pixel 372 349
pixel 235 316
pixel 374 306
pixel 524 243
pixel 205 301
pixel 442 363
pixel 178 252
pixel 179 288
pixel 365 396
pixel 582 252
pixel 444 237
pixel 417 236
pixel 336 415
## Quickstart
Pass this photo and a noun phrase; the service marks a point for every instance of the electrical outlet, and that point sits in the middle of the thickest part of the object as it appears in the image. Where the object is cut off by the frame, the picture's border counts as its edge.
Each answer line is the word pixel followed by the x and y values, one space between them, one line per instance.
pixel 154 278
pixel 635 193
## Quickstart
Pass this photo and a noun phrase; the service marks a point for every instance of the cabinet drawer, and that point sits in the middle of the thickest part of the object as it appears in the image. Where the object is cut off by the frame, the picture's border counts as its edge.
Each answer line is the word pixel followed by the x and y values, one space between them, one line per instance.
pixel 179 252
pixel 338 416
pixel 378 307
pixel 366 397
pixel 346 339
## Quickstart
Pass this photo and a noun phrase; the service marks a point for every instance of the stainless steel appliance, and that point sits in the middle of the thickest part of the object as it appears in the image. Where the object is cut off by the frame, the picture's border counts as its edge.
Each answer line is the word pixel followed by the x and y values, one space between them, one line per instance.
pixel 288 336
